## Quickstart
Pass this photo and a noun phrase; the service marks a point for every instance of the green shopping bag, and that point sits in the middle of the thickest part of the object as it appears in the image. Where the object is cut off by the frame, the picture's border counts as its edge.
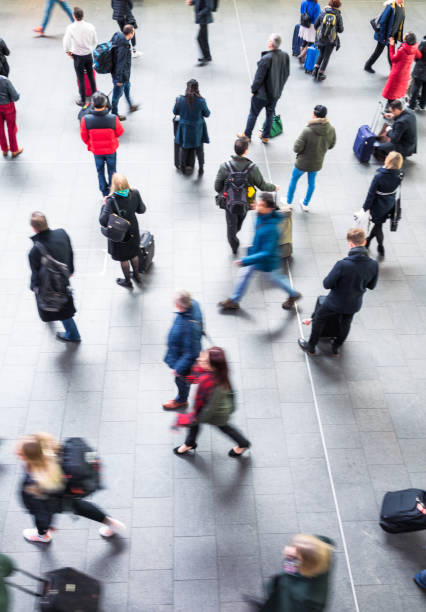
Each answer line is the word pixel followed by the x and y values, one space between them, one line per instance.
pixel 277 127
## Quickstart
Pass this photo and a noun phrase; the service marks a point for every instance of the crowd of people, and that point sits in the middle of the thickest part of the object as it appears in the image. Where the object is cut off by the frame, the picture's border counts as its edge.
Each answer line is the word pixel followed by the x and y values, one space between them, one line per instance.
pixel 43 491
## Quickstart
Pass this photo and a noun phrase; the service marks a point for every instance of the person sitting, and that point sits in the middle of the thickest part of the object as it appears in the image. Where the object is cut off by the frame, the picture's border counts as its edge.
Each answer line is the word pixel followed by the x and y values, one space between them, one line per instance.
pixel 402 134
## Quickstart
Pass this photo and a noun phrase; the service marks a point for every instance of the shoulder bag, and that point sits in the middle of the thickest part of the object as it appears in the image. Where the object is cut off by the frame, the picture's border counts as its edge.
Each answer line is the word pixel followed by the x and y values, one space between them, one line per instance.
pixel 117 227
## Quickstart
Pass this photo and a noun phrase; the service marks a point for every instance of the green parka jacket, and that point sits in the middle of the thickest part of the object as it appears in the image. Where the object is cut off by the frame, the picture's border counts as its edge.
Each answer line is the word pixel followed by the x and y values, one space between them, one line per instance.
pixel 313 143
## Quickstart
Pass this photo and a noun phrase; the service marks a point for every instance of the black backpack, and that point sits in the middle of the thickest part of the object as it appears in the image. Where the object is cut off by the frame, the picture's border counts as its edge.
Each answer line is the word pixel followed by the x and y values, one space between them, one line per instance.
pixel 81 467
pixel 103 58
pixel 53 291
pixel 327 31
pixel 235 192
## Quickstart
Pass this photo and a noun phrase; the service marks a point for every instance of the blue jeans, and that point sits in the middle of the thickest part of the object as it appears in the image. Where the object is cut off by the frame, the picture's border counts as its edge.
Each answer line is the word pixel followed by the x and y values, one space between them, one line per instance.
pixel 276 277
pixel 183 389
pixel 293 182
pixel 117 92
pixel 71 330
pixel 111 162
pixel 255 107
pixel 48 10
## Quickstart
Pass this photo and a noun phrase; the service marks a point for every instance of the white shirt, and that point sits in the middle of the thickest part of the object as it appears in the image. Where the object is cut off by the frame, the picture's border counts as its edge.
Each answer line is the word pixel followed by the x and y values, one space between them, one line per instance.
pixel 80 38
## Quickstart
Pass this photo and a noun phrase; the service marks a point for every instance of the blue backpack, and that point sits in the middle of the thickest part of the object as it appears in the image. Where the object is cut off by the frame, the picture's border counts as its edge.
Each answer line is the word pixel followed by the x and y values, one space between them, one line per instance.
pixel 103 58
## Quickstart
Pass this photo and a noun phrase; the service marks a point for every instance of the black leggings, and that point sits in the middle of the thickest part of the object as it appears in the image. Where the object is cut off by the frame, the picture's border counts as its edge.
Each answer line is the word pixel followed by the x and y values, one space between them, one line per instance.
pixel 376 232
pixel 228 430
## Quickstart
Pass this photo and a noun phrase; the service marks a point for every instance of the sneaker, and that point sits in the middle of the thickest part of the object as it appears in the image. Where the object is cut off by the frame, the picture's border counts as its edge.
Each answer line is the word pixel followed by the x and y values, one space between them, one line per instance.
pixel 110 529
pixel 39 30
pixel 136 53
pixel 64 338
pixel 229 304
pixel 290 302
pixel 18 152
pixel 303 206
pixel 32 535
pixel 174 405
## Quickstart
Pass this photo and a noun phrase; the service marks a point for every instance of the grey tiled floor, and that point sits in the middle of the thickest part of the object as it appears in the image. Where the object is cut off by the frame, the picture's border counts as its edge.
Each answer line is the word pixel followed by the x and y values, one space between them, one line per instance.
pixel 203 531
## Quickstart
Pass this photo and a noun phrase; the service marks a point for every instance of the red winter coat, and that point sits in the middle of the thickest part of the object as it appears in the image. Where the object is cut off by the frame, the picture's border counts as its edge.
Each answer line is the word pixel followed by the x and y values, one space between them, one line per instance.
pixel 397 83
pixel 100 130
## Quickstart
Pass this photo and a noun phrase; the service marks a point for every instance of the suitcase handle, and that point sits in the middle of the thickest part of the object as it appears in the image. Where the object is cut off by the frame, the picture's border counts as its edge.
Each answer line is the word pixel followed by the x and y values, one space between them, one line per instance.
pixel 376 118
pixel 21 588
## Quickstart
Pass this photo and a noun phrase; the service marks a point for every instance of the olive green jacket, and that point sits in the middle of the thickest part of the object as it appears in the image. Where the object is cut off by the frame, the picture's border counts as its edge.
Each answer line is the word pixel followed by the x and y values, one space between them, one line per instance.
pixel 255 177
pixel 313 143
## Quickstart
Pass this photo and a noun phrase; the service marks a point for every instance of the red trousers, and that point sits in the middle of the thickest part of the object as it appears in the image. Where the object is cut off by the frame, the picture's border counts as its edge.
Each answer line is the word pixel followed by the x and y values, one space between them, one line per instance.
pixel 8 115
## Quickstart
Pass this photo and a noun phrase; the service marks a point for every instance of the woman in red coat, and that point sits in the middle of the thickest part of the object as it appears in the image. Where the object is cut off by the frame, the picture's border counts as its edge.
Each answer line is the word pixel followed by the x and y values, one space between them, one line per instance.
pixel 402 60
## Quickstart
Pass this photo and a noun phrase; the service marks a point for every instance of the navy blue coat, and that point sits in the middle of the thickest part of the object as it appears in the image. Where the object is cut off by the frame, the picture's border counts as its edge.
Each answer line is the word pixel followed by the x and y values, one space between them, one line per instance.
pixel 184 340
pixel 122 58
pixel 203 11
pixel 385 182
pixel 192 129
pixel 386 21
pixel 349 280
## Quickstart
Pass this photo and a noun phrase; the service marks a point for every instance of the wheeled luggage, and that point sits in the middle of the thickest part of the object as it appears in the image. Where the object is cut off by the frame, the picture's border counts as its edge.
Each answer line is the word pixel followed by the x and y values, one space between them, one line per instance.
pixel 366 137
pixel 146 251
pixel 312 55
pixel 65 590
pixel 87 88
pixel 286 233
pixel 297 41
pixel 332 326
pixel 403 511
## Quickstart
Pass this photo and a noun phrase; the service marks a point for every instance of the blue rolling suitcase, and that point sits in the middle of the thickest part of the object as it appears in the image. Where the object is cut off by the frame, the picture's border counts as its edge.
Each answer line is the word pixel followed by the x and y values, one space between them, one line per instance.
pixel 311 58
pixel 366 137
pixel 297 42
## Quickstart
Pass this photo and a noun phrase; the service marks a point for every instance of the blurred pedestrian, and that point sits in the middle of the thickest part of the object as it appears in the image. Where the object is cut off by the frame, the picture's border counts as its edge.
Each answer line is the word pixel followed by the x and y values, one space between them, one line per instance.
pixel 43 490
pixel 79 41
pixel 214 403
pixel 309 11
pixel 389 24
pixel 418 86
pixel 401 61
pixel 52 264
pixel 191 132
pixel 348 280
pixel 203 16
pixel 100 131
pixel 7 568
pixel 126 203
pixel 273 70
pixel 246 175
pixel 122 67
pixel 381 196
pixel 329 25
pixel 183 345
pixel 4 66
pixel 318 137
pixel 47 11
pixel 123 15
pixel 8 97
pixel 263 256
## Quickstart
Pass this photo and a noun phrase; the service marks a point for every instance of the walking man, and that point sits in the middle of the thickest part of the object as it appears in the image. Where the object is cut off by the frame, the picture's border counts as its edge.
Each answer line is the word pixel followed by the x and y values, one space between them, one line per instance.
pixel 348 281
pixel 47 11
pixel 122 14
pixel 183 345
pixel 310 147
pixel 100 131
pixel 273 70
pixel 263 256
pixel 122 68
pixel 243 175
pixel 79 41
pixel 203 16
pixel 52 263
pixel 389 25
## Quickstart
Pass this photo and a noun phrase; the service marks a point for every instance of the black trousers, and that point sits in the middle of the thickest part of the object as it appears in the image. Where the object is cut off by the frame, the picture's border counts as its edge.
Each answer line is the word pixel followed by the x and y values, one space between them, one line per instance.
pixel 234 223
pixel 324 57
pixel 376 232
pixel 124 21
pixel 415 93
pixel 228 430
pixel 203 41
pixel 187 157
pixel 376 54
pixel 322 315
pixel 84 63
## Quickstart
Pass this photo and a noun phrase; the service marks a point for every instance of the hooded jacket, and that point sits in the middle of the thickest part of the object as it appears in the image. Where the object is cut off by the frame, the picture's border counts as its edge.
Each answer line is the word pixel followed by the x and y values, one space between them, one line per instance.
pixel 349 280
pixel 273 70
pixel 313 143
pixel 184 340
pixel 122 64
pixel 263 254
pixel 402 60
pixel 419 71
pixel 385 24
pixel 100 130
pixel 380 200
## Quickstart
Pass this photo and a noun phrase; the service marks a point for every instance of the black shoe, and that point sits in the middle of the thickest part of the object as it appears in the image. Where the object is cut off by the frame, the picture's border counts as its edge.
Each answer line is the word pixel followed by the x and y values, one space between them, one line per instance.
pixel 232 453
pixel 381 250
pixel 186 453
pixel 315 72
pixel 200 171
pixel 202 62
pixel 367 243
pixel 305 346
pixel 369 69
pixel 124 283
pixel 136 277
pixel 321 76
pixel 63 337
pixel 335 349
pixel 80 103
pixel 204 59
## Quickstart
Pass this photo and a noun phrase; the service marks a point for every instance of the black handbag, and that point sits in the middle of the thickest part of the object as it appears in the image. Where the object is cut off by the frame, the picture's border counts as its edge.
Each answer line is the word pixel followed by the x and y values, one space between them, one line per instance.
pixel 117 227
pixel 305 20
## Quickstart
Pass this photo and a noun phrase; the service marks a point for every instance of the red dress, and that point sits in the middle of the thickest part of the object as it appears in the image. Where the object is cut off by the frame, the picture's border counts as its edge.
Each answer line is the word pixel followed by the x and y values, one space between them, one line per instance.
pixel 402 60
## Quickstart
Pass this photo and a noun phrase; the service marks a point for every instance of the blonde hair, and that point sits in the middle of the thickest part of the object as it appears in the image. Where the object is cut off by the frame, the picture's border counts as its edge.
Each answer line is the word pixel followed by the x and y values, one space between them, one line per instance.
pixel 315 554
pixel 394 161
pixel 40 453
pixel 118 183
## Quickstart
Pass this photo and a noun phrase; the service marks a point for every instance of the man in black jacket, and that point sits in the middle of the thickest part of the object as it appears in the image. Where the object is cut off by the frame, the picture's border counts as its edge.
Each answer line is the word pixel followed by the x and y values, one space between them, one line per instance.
pixel 240 163
pixel 122 69
pixel 348 281
pixel 273 70
pixel 57 244
pixel 403 132
pixel 203 16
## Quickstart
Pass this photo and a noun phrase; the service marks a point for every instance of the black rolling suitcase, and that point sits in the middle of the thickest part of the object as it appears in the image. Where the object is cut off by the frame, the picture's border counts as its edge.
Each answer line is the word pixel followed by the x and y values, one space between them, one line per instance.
pixel 332 326
pixel 146 251
pixel 403 511
pixel 65 590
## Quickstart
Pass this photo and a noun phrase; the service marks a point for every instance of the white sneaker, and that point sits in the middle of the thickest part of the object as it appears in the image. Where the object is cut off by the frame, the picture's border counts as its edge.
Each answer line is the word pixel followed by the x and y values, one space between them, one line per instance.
pixel 303 207
pixel 113 526
pixel 32 535
pixel 136 53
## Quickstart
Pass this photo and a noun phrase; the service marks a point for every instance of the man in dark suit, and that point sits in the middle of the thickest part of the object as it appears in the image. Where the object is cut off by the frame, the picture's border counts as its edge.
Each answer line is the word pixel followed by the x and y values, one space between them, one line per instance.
pixel 348 281
pixel 203 16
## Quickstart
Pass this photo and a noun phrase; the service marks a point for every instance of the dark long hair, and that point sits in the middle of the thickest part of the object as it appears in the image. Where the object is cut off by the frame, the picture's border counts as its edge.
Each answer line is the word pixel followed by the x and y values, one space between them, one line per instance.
pixel 220 366
pixel 192 91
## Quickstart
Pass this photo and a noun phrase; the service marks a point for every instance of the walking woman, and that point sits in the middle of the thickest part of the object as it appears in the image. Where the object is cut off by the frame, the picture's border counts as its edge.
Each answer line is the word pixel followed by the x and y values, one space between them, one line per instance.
pixel 328 26
pixel 401 62
pixel 43 489
pixel 124 202
pixel 381 197
pixel 214 403
pixel 191 133
pixel 309 11
pixel 8 97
